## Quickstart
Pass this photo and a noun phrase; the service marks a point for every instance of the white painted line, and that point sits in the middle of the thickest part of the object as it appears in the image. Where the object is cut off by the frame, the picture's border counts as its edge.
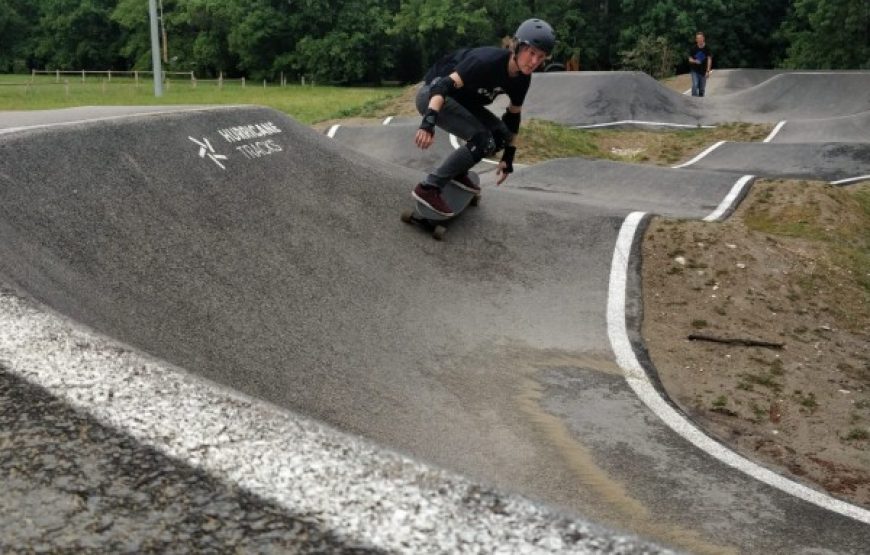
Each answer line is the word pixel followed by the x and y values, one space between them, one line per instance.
pixel 698 157
pixel 387 120
pixel 332 130
pixel 688 91
pixel 8 130
pixel 639 382
pixel 774 132
pixel 850 180
pixel 360 492
pixel 641 122
pixel 729 199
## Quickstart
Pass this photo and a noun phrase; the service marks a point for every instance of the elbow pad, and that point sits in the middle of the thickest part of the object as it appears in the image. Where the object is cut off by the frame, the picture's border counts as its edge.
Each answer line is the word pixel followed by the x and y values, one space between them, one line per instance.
pixel 443 86
pixel 511 121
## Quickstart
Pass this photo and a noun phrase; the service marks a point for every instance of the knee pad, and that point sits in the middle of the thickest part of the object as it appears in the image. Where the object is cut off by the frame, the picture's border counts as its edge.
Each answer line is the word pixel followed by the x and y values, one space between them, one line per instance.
pixel 481 144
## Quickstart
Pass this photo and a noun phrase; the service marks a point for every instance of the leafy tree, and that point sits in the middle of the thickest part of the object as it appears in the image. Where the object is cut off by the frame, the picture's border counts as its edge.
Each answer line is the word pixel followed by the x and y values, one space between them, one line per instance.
pixel 652 55
pixel 75 34
pixel 351 41
pixel 133 21
pixel 262 31
pixel 440 26
pixel 16 21
pixel 828 34
pixel 355 47
pixel 750 37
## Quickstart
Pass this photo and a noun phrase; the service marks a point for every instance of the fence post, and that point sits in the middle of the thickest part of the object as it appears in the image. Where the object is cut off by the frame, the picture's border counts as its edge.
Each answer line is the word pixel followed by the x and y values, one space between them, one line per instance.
pixel 243 82
pixel 57 76
pixel 221 80
pixel 83 76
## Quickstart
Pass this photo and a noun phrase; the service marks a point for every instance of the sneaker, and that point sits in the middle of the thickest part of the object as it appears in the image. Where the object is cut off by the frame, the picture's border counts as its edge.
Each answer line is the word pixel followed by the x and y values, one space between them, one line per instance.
pixel 464 181
pixel 431 197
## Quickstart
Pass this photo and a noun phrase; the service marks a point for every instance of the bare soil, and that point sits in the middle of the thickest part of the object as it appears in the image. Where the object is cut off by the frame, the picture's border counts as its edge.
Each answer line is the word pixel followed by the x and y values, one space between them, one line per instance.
pixel 803 410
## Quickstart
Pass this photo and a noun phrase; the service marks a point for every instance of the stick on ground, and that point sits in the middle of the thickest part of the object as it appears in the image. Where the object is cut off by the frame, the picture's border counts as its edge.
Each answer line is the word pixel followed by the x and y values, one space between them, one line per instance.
pixel 735 341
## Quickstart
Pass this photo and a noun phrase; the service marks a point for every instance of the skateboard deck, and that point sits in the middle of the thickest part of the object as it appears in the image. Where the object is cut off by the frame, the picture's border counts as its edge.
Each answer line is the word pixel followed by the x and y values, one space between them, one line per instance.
pixel 455 196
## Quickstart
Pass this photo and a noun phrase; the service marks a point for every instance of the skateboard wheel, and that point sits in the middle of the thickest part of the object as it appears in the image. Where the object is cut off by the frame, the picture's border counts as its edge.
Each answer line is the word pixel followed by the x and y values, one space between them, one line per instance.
pixel 406 216
pixel 438 232
pixel 475 200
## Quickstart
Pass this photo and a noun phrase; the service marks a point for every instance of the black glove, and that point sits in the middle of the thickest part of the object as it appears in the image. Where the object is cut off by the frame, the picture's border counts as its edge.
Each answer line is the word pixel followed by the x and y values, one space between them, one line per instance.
pixel 429 119
pixel 508 158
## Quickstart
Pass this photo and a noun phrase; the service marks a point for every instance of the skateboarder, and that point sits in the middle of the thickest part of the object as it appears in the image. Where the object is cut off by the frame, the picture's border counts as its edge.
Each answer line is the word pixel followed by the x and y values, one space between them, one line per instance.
pixel 454 96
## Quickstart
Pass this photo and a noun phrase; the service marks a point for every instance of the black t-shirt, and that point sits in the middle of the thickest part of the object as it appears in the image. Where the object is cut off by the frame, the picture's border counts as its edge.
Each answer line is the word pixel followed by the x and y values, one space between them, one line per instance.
pixel 699 53
pixel 484 73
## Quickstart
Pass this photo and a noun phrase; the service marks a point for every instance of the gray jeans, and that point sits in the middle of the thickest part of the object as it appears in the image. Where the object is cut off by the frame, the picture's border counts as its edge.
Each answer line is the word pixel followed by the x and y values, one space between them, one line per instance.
pixel 458 120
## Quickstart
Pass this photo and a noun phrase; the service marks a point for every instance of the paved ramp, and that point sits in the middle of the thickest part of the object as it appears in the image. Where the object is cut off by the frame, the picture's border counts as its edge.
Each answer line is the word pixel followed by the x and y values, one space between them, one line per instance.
pixel 854 128
pixel 257 253
pixel 595 98
pixel 834 162
pixel 727 81
pixel 613 187
pixel 394 143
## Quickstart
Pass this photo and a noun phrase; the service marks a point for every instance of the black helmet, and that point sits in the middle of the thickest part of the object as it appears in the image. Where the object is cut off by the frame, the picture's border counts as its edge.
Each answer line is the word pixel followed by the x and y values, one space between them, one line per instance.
pixel 536 32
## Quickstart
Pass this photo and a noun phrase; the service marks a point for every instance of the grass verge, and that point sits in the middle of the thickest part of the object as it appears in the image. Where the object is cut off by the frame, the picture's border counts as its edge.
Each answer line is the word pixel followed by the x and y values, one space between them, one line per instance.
pixel 305 103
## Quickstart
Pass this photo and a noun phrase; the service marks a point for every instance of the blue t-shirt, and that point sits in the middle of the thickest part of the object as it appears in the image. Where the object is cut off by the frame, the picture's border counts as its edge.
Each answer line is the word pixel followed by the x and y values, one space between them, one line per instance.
pixel 700 54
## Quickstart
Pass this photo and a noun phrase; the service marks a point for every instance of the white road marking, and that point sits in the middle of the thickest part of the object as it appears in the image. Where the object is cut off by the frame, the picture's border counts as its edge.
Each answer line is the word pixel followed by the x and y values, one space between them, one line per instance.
pixel 387 120
pixel 640 383
pixel 850 180
pixel 729 199
pixel 774 132
pixel 641 122
pixel 707 151
pixel 332 130
pixel 8 130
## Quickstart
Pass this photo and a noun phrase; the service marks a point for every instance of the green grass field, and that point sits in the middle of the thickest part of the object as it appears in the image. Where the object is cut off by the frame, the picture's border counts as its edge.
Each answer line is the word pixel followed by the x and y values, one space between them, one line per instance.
pixel 307 104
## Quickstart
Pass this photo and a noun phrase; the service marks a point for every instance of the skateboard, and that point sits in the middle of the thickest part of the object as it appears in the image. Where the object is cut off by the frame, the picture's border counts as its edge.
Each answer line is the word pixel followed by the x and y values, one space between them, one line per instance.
pixel 455 196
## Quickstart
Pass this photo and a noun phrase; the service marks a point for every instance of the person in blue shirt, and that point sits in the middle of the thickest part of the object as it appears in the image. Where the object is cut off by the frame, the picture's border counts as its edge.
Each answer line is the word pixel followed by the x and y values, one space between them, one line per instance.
pixel 700 64
pixel 455 94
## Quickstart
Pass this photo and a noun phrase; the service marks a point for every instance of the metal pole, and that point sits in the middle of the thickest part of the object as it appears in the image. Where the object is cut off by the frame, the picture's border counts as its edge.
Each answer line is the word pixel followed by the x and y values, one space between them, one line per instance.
pixel 155 50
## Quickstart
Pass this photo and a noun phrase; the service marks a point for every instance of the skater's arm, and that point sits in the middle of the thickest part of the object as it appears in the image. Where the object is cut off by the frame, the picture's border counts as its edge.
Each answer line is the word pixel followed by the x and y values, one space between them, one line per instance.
pixel 511 119
pixel 426 133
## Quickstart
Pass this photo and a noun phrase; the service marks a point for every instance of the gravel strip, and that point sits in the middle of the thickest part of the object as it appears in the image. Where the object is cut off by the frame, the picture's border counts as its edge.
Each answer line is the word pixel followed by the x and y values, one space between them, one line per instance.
pixel 120 452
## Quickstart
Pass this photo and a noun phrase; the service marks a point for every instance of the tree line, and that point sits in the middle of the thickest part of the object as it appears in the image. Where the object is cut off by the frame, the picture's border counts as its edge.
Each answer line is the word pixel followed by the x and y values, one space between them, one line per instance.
pixel 370 41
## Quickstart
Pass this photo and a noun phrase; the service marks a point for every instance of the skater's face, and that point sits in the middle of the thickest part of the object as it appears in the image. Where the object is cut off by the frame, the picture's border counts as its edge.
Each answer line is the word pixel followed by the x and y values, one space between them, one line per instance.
pixel 530 58
pixel 699 39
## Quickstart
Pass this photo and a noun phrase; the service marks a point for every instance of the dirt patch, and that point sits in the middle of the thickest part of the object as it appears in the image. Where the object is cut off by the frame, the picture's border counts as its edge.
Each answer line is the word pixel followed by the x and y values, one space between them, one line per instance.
pixel 804 409
pixel 666 148
pixel 680 83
